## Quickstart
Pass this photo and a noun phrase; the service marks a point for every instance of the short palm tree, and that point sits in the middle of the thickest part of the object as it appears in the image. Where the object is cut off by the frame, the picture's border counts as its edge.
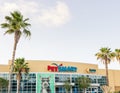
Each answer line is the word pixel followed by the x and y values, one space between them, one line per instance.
pixel 83 83
pixel 117 55
pixel 105 55
pixel 17 25
pixel 67 85
pixel 19 67
pixel 3 83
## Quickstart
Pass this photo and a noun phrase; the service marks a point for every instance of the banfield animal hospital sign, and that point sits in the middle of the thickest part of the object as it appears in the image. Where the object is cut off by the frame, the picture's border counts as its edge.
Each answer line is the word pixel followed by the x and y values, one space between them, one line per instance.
pixel 60 68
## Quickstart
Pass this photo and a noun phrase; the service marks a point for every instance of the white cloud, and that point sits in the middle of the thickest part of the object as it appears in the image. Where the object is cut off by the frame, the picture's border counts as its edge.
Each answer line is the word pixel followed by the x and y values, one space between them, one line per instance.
pixel 27 8
pixel 49 16
pixel 56 15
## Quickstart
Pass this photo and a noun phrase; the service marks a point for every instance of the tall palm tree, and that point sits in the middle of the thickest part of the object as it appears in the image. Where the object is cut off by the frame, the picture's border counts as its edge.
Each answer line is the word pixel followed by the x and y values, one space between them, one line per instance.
pixel 19 67
pixel 117 55
pixel 105 55
pixel 17 25
pixel 83 83
pixel 67 85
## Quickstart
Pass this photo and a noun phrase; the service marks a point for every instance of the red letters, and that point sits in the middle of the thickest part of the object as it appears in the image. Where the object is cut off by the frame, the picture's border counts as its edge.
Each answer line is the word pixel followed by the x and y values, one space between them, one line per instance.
pixel 52 68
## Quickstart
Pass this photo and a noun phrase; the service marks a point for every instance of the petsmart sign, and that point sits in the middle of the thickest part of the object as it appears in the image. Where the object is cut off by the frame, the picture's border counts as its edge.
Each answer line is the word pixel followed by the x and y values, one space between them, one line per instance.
pixel 60 68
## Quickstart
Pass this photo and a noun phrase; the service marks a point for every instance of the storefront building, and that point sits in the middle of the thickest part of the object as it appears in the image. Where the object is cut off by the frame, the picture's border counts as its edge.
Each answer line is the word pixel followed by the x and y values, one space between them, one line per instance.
pixel 53 74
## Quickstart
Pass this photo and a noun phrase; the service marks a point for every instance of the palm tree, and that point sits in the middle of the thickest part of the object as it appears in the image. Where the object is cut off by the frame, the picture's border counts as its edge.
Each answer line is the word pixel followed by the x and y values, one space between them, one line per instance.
pixel 105 55
pixel 19 67
pixel 83 83
pixel 67 85
pixel 17 25
pixel 117 55
pixel 3 83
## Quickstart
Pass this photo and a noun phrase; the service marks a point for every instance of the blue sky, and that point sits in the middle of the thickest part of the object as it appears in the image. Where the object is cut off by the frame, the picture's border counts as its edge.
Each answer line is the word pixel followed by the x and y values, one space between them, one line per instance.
pixel 64 30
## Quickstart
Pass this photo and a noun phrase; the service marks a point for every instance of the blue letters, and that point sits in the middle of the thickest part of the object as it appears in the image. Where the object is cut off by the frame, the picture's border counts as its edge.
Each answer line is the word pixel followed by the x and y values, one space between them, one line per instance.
pixel 67 69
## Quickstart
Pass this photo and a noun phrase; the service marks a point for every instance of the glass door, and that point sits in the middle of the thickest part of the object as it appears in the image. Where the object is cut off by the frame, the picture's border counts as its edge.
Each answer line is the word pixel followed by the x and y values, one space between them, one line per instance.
pixel 94 90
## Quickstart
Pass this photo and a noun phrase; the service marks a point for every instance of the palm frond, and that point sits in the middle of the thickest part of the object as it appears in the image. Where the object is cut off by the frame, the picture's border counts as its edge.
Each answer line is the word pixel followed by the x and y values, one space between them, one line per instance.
pixel 15 14
pixel 8 18
pixel 27 24
pixel 25 19
pixel 5 25
pixel 27 33
pixel 10 31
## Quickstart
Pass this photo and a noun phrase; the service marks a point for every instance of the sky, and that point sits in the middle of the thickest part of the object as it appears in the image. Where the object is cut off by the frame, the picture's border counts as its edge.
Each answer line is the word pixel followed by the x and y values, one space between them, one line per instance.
pixel 63 30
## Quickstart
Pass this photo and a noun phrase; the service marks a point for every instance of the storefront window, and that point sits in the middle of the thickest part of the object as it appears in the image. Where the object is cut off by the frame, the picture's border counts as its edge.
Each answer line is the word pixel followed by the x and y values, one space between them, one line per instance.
pixel 28 83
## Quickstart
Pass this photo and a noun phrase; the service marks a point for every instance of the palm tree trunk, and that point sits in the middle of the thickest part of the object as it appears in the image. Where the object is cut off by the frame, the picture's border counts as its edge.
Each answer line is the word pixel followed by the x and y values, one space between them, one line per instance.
pixel 12 63
pixel 84 90
pixel 18 85
pixel 107 78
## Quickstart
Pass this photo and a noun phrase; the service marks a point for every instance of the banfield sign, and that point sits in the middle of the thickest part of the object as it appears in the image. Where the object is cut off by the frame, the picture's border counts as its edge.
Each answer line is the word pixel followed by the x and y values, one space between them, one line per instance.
pixel 60 68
